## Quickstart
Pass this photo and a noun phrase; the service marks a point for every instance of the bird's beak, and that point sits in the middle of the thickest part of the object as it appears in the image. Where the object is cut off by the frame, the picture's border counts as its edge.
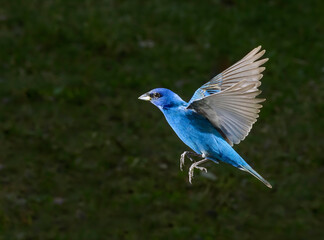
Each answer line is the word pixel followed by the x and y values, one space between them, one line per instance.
pixel 145 97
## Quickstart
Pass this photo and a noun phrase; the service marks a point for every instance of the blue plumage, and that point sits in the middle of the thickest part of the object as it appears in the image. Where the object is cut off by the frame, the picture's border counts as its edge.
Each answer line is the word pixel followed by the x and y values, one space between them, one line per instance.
pixel 215 117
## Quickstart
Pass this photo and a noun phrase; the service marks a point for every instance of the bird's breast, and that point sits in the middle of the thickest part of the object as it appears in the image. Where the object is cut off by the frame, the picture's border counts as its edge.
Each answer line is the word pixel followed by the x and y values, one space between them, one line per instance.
pixel 193 129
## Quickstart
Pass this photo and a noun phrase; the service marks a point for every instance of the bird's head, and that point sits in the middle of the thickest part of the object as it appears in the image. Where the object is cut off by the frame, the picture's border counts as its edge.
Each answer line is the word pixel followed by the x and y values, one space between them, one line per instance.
pixel 162 98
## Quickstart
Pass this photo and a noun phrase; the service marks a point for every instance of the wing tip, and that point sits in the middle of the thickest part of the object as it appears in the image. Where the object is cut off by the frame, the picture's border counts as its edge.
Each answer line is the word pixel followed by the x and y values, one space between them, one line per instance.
pixel 258 54
pixel 259 78
pixel 257 84
pixel 262 61
pixel 261 69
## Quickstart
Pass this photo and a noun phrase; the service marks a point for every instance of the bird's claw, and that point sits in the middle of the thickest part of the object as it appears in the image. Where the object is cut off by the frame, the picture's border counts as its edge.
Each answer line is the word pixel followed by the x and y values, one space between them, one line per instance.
pixel 195 165
pixel 182 159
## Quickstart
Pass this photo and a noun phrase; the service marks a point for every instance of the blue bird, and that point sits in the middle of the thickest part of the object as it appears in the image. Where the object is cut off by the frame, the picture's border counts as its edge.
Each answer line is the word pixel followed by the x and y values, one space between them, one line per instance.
pixel 219 114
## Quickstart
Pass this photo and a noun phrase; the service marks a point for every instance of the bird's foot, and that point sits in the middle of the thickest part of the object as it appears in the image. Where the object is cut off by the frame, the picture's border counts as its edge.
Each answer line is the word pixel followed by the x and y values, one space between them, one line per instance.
pixel 188 155
pixel 195 165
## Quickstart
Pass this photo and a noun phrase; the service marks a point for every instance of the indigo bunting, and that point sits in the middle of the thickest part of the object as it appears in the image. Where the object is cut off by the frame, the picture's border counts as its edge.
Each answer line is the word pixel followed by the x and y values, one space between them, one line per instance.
pixel 220 113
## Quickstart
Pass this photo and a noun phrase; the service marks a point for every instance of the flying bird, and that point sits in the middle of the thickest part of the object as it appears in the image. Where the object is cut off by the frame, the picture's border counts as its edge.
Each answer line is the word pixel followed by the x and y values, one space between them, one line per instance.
pixel 220 114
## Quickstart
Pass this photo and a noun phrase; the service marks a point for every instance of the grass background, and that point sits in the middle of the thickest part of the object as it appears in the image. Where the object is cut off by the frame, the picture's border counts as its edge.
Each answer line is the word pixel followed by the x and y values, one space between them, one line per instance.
pixel 82 158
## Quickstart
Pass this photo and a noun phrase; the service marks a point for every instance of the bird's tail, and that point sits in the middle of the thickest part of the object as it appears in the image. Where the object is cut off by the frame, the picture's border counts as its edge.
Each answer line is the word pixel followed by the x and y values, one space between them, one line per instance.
pixel 250 170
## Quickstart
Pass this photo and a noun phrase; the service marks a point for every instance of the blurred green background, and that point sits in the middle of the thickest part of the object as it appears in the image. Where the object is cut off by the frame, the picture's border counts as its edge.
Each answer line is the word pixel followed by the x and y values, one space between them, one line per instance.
pixel 82 158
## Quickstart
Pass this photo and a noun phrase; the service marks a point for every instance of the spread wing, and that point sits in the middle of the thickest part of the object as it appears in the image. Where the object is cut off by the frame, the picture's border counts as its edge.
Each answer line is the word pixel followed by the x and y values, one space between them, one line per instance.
pixel 229 100
pixel 247 69
pixel 233 111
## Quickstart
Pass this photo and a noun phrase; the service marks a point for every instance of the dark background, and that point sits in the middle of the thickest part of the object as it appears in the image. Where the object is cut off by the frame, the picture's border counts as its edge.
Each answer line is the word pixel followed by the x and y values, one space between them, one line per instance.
pixel 82 158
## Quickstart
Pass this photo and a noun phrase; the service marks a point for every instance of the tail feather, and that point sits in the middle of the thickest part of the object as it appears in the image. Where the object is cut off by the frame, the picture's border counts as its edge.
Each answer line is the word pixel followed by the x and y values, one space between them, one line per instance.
pixel 250 170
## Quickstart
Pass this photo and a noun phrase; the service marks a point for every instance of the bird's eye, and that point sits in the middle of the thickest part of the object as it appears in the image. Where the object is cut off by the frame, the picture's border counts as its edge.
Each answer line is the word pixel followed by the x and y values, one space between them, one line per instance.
pixel 155 95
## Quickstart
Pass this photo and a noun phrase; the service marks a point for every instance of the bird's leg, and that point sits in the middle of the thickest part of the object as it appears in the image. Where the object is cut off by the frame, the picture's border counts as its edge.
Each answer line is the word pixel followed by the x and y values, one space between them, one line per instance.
pixel 195 165
pixel 188 154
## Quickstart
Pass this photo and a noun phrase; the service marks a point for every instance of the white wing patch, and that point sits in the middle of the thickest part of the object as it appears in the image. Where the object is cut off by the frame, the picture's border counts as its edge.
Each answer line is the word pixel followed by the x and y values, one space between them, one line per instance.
pixel 233 110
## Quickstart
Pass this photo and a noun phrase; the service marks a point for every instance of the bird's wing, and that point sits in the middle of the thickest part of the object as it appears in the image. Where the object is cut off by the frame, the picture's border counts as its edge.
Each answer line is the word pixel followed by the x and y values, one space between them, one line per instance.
pixel 233 111
pixel 247 69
